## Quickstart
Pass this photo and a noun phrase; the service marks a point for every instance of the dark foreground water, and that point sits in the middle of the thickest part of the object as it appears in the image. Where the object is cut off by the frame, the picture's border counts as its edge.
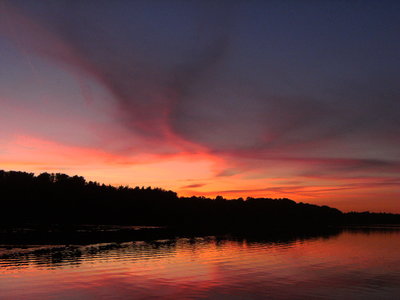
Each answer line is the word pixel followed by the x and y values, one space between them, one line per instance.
pixel 346 265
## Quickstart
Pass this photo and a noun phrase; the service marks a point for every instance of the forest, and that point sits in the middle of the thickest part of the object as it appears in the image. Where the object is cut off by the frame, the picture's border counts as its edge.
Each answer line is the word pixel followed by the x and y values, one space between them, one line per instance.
pixel 47 198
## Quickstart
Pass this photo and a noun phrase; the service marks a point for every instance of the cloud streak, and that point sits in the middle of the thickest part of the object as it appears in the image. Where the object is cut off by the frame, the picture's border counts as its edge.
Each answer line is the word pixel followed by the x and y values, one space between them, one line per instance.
pixel 248 85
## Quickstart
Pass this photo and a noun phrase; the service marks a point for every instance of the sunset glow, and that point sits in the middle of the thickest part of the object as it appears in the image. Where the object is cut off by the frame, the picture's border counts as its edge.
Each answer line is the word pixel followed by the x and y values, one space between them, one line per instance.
pixel 234 106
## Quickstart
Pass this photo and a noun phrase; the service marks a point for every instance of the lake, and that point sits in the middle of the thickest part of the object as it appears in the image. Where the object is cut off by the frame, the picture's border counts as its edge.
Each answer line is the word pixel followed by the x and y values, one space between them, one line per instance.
pixel 348 264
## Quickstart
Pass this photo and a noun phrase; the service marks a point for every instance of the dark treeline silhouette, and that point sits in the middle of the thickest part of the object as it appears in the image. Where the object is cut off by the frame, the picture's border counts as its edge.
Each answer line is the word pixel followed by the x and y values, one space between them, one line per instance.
pixel 62 199
pixel 366 218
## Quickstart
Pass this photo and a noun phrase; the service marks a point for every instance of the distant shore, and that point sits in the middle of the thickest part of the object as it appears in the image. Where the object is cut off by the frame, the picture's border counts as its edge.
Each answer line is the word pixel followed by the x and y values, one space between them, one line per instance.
pixel 51 205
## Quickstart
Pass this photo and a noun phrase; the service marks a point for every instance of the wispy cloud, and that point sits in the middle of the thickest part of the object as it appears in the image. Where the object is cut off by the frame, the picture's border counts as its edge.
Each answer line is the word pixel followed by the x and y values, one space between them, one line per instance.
pixel 258 95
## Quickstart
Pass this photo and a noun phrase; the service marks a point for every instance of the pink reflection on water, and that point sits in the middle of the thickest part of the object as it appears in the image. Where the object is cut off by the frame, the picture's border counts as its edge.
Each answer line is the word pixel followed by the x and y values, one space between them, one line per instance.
pixel 350 265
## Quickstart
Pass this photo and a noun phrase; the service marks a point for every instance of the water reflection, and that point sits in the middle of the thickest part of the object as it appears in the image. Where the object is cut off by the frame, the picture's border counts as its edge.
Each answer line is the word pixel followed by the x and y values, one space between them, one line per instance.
pixel 353 264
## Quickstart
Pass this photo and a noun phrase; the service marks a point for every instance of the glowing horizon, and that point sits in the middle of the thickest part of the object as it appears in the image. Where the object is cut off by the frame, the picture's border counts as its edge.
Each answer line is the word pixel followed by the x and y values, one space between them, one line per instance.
pixel 252 102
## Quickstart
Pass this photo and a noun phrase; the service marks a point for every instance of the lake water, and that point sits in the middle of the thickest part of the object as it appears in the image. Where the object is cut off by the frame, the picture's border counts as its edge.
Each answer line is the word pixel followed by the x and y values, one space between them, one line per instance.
pixel 346 265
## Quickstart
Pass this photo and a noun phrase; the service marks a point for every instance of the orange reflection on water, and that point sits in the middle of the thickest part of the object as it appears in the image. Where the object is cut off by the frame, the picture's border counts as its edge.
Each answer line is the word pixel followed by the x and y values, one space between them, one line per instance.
pixel 344 265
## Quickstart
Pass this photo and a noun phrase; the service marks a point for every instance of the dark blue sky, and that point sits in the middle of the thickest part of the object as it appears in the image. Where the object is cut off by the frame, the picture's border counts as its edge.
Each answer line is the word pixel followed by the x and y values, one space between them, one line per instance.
pixel 273 89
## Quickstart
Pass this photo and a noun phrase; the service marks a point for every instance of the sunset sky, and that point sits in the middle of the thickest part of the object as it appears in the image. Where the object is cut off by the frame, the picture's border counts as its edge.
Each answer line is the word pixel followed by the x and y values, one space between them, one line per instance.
pixel 296 99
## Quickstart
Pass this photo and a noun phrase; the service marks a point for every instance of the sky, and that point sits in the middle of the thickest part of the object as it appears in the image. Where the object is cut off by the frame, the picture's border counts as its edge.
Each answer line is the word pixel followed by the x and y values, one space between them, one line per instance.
pixel 295 99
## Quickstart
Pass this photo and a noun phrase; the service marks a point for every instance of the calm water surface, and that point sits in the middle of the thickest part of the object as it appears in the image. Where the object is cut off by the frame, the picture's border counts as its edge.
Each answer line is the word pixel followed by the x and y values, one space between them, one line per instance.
pixel 349 265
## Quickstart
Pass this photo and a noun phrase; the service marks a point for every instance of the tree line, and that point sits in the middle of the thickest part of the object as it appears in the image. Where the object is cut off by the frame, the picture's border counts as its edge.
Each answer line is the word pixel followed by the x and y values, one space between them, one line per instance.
pixel 62 199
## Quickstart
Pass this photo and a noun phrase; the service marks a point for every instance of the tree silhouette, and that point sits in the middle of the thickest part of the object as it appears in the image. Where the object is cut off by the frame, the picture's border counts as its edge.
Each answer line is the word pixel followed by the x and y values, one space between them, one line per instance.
pixel 61 199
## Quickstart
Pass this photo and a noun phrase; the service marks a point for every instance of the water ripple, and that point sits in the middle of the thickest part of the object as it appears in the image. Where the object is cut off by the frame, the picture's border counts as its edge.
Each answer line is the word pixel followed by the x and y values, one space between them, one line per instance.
pixel 348 266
